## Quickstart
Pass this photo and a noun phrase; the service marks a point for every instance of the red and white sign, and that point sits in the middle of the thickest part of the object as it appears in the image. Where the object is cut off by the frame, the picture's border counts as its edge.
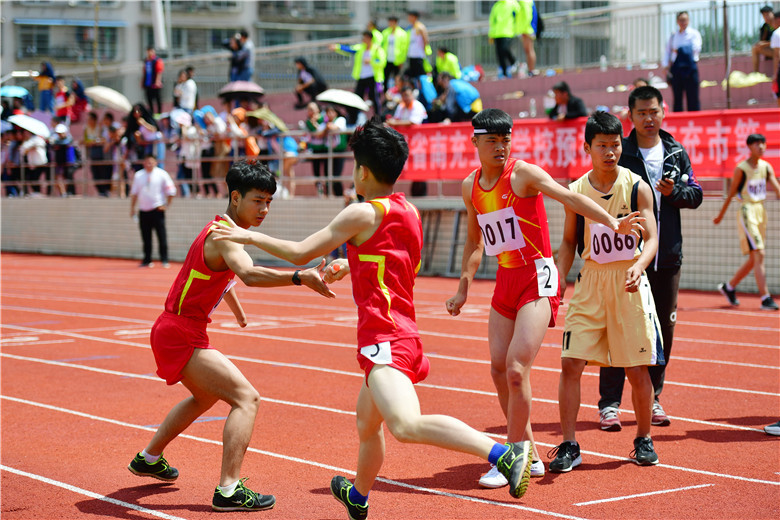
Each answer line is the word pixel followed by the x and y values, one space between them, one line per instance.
pixel 714 140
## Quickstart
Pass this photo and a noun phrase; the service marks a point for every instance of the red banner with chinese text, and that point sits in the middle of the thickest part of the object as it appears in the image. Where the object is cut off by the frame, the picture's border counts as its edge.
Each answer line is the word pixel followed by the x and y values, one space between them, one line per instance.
pixel 714 140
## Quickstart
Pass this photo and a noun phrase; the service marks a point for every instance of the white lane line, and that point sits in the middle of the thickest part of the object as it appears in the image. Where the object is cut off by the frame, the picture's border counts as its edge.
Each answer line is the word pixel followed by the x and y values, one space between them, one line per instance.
pixel 638 495
pixel 288 458
pixel 90 494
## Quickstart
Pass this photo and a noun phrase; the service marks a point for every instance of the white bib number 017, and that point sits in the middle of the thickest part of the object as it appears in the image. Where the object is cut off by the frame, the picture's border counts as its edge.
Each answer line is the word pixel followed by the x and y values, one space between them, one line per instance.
pixel 607 246
pixel 501 231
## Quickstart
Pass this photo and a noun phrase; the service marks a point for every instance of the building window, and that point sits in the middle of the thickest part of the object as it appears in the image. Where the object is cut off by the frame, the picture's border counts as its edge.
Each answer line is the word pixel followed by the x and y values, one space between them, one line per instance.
pixel 107 43
pixel 397 8
pixel 272 37
pixel 33 41
pixel 443 8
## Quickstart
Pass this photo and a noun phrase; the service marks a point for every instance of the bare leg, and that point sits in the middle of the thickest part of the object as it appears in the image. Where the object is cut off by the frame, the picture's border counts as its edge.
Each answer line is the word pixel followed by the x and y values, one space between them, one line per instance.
pixel 569 395
pixel 514 345
pixel 210 372
pixel 642 398
pixel 759 271
pixel 371 454
pixel 530 52
pixel 742 272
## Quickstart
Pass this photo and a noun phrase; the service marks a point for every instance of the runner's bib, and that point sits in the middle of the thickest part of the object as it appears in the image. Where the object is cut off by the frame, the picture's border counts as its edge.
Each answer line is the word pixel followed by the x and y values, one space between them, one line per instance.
pixel 608 246
pixel 501 231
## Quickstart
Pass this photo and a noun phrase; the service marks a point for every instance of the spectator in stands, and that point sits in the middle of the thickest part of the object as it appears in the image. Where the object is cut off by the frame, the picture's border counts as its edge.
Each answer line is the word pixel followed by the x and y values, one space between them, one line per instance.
pixel 33 153
pixel 761 47
pixel 368 69
pixel 11 142
pixel 501 33
pixel 63 101
pixel 459 101
pixel 567 106
pixel 309 82
pixel 186 91
pixel 681 63
pixel 395 42
pixel 64 160
pixel 774 44
pixel 331 129
pixel 45 80
pixel 447 62
pixel 152 79
pixel 142 134
pixel 409 111
pixel 247 56
pixel 237 60
pixel 80 102
pixel 376 34
pixel 419 49
pixel 93 141
pixel 153 191
pixel 527 25
pixel 663 163
pixel 750 181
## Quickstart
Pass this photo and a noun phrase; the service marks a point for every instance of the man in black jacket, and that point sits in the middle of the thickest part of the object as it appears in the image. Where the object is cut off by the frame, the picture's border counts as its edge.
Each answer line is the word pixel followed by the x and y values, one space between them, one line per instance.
pixel 662 162
pixel 566 106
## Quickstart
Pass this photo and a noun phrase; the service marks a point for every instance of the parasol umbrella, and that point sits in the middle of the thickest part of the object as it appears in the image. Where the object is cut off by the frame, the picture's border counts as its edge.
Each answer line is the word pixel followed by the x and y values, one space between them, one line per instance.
pixel 30 124
pixel 241 89
pixel 267 115
pixel 13 91
pixel 109 98
pixel 342 97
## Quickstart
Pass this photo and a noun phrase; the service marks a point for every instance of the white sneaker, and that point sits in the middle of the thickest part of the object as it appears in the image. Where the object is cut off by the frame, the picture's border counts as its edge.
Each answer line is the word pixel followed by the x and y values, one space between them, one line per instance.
pixel 493 479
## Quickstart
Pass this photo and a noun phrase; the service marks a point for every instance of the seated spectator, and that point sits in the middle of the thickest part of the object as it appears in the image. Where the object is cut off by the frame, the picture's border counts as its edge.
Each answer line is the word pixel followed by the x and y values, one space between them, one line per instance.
pixel 459 101
pixel 566 106
pixel 761 47
pixel 310 82
pixel 409 111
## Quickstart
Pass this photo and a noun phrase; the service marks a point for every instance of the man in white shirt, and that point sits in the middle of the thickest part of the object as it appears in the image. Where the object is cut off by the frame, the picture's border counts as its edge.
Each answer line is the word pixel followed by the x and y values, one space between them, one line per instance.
pixel 153 191
pixel 409 111
pixel 681 63
pixel 188 92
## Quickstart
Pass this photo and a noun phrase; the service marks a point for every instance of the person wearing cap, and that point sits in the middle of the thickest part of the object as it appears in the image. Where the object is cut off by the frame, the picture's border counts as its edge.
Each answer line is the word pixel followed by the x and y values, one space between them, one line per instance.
pixel 506 218
pixel 567 106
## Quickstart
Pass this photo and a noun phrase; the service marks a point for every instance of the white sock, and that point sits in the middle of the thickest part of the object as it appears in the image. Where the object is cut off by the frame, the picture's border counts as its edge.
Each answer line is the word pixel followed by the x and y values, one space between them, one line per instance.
pixel 227 491
pixel 151 459
pixel 729 287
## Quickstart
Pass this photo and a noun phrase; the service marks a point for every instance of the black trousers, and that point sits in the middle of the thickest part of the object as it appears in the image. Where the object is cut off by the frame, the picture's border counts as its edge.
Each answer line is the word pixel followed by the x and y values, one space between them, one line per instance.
pixel 153 94
pixel 689 88
pixel 664 284
pixel 504 54
pixel 391 71
pixel 153 220
pixel 364 85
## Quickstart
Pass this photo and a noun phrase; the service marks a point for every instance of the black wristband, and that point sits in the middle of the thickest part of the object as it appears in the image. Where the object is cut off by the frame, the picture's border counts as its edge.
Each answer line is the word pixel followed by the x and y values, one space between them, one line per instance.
pixel 296 279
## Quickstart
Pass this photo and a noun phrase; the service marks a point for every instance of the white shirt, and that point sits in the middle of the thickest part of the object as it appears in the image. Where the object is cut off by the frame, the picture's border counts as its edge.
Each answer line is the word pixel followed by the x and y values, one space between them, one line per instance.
pixel 187 93
pixel 654 164
pixel 774 41
pixel 35 150
pixel 414 115
pixel 152 188
pixel 679 39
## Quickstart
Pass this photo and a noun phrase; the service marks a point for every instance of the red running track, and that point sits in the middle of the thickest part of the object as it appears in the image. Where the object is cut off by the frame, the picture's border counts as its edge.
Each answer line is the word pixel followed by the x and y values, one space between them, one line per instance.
pixel 79 398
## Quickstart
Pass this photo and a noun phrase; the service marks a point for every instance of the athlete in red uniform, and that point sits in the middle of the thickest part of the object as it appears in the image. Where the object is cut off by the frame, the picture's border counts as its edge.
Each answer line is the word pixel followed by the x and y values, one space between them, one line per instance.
pixel 181 345
pixel 384 237
pixel 506 218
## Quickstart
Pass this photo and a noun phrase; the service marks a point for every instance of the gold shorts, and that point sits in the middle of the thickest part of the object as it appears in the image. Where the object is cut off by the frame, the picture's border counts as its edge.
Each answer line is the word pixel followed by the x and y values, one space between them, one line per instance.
pixel 751 221
pixel 608 326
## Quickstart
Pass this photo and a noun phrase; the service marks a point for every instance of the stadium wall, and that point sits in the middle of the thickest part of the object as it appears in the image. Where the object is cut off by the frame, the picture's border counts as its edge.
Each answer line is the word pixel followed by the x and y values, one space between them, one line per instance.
pixel 103 227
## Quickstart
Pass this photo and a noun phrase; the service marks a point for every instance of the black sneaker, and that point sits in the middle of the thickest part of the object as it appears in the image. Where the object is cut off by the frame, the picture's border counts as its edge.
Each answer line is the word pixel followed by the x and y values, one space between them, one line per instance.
pixel 567 456
pixel 644 454
pixel 768 304
pixel 160 470
pixel 244 499
pixel 340 487
pixel 731 295
pixel 515 465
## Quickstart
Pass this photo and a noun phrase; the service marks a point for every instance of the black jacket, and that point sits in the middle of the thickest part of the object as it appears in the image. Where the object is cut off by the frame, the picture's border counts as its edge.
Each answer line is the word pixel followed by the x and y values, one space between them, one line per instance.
pixel 575 108
pixel 686 194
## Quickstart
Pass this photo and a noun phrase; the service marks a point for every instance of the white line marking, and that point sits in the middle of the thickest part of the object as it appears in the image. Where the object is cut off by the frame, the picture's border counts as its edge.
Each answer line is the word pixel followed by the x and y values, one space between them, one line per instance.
pixel 90 494
pixel 286 458
pixel 652 493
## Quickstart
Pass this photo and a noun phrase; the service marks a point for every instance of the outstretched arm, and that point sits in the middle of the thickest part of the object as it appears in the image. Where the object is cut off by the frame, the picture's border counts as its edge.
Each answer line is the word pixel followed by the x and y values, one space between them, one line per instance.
pixel 645 205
